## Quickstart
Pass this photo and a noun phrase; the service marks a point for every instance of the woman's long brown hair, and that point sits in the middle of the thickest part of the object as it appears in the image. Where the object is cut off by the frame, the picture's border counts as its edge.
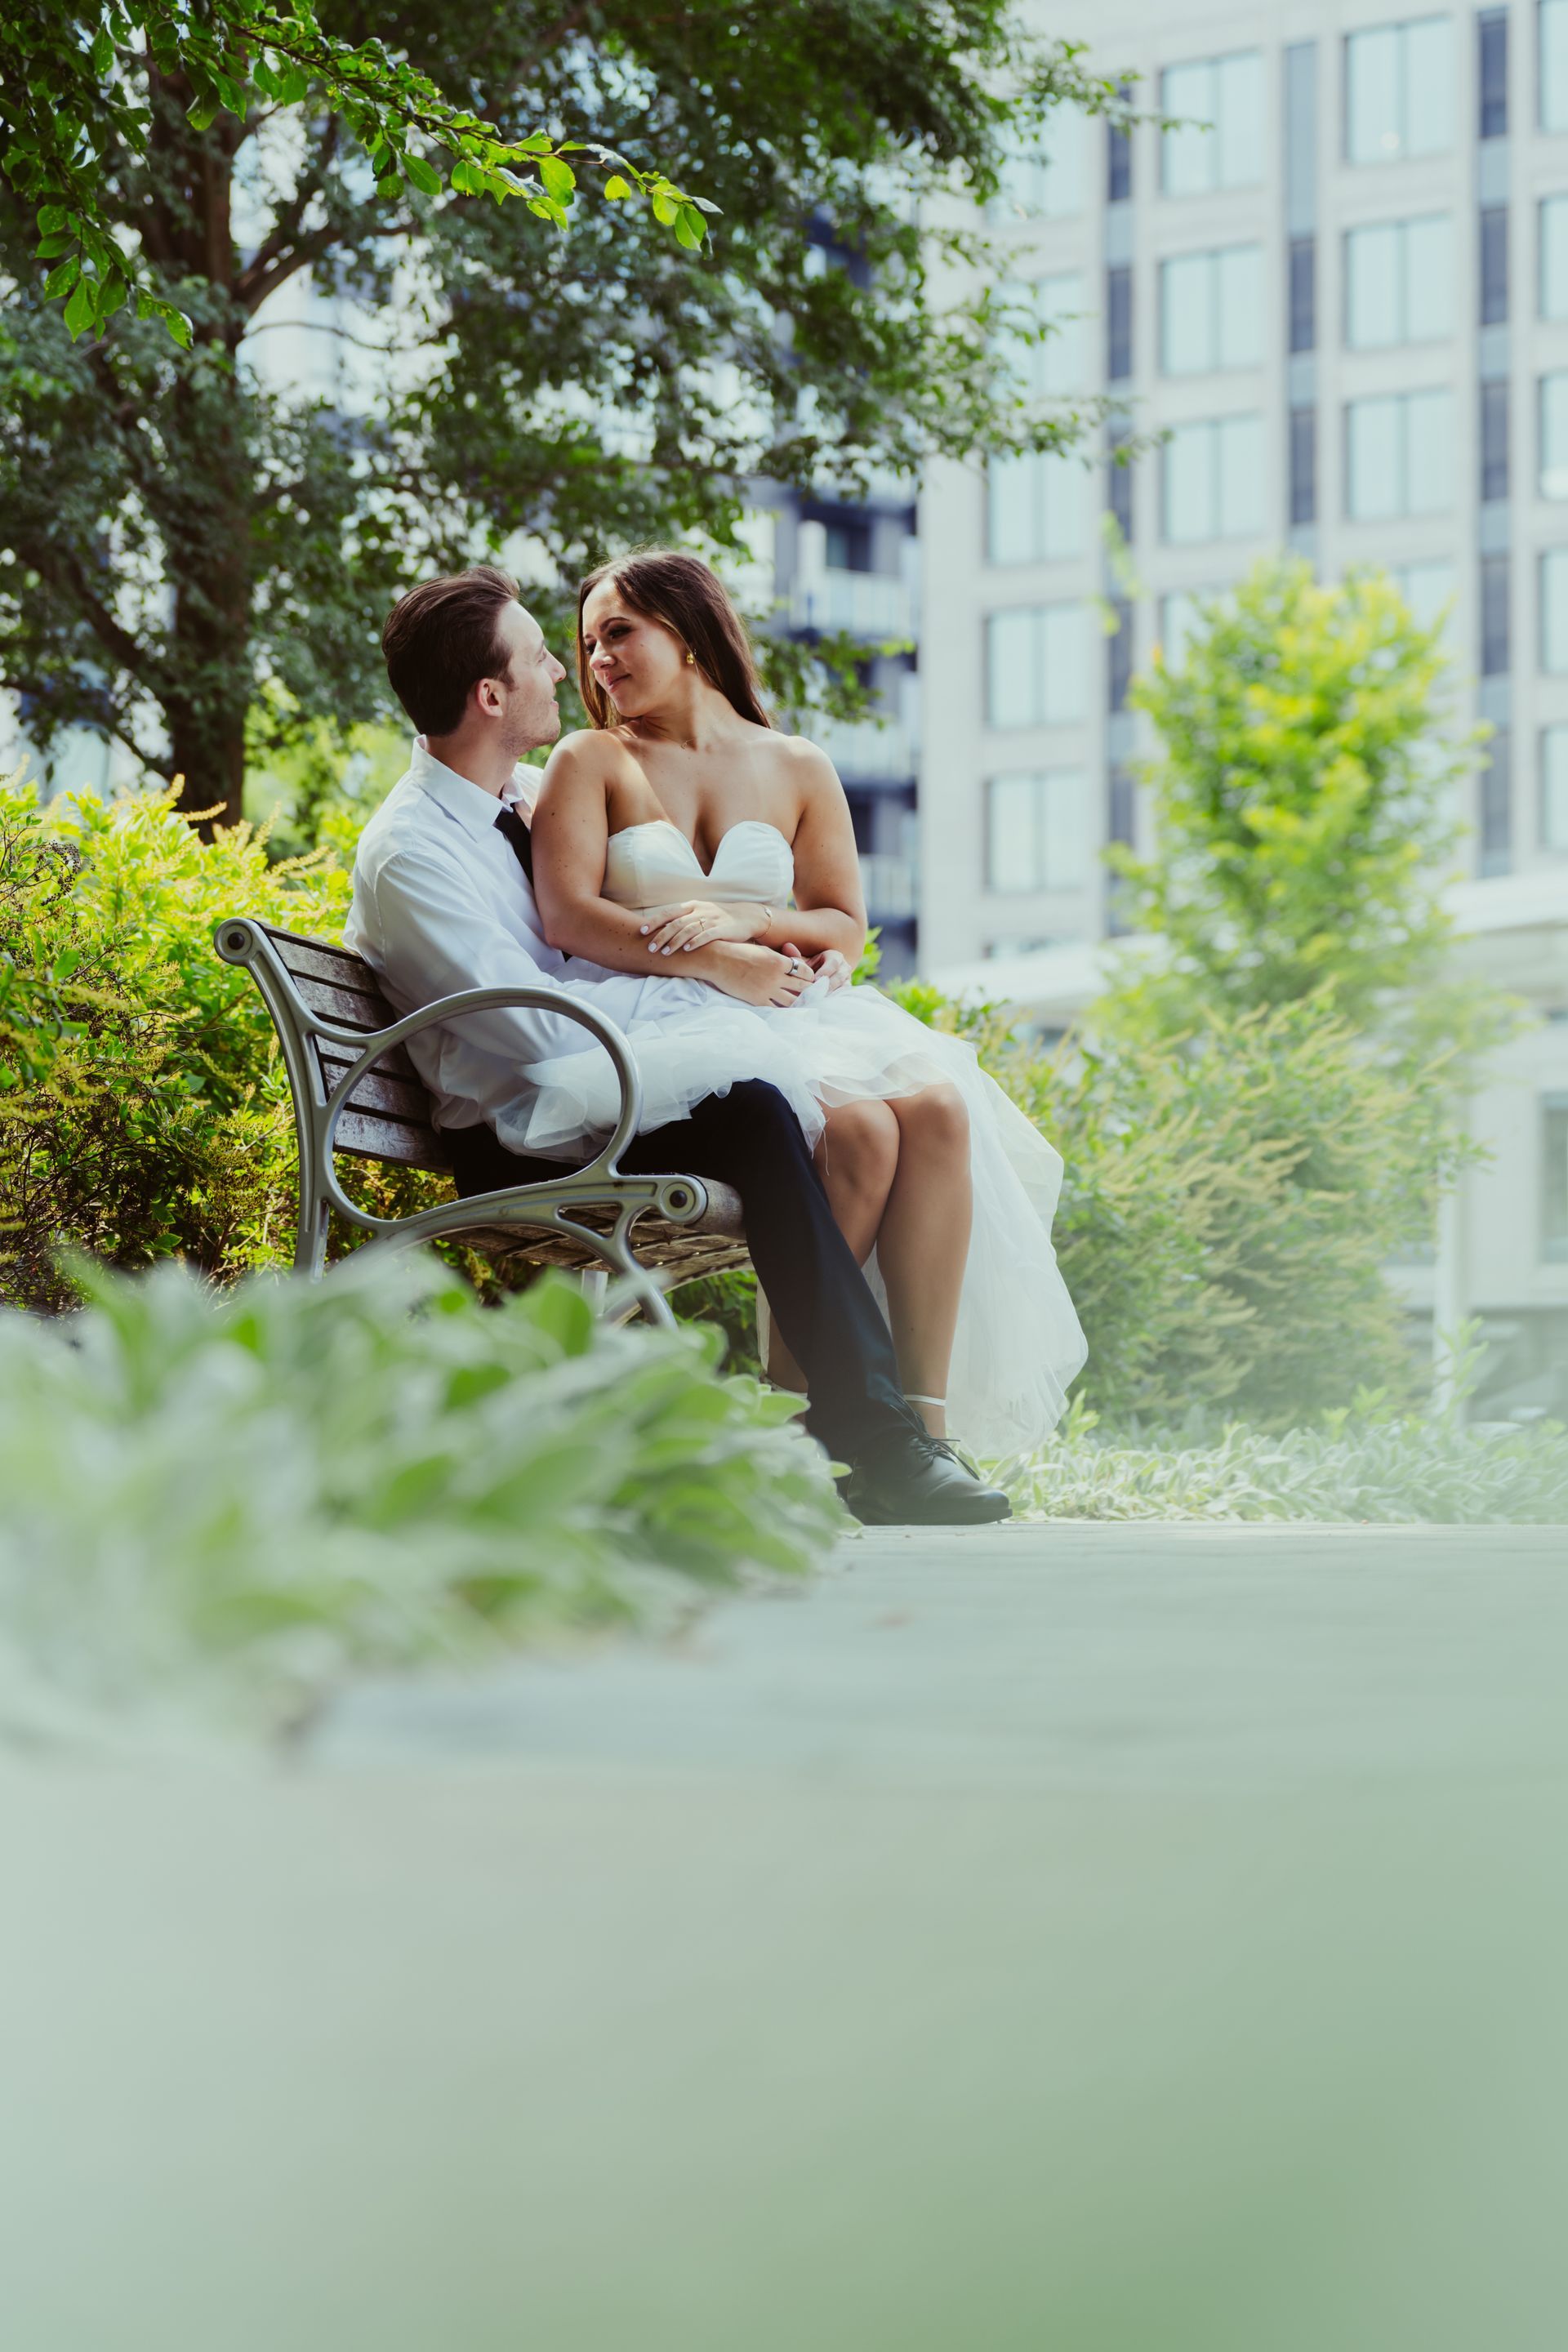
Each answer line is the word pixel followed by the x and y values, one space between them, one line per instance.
pixel 689 599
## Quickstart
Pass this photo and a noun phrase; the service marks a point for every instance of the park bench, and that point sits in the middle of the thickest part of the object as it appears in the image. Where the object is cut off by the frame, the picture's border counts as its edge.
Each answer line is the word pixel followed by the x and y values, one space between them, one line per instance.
pixel 356 1090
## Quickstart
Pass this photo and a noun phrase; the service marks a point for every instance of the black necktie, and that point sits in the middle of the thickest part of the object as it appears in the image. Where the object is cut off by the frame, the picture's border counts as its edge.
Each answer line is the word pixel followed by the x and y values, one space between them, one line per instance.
pixel 516 833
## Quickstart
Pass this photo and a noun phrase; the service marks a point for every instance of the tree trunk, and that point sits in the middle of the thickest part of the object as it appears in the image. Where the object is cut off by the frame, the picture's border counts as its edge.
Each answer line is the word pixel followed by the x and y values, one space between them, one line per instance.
pixel 206 525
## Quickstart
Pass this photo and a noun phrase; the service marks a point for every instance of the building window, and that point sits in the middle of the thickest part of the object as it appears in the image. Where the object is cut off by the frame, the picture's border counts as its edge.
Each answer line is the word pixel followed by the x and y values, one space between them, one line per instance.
pixel 1119 496
pixel 1046 180
pixel 1399 91
pixel 1553 426
pixel 1555 65
pixel 1219 141
pixel 1427 590
pixel 1398 456
pixel 1399 282
pixel 1055 367
pixel 847 546
pixel 1495 660
pixel 1494 441
pixel 1303 294
pixel 1185 614
pixel 1037 832
pixel 1496 812
pixel 1303 466
pixel 1491 74
pixel 1554 612
pixel 1555 1178
pixel 1554 788
pixel 1212 476
pixel 1211 310
pixel 1494 266
pixel 1118 156
pixel 1037 667
pixel 1554 257
pixel 1118 325
pixel 1036 509
pixel 1119 663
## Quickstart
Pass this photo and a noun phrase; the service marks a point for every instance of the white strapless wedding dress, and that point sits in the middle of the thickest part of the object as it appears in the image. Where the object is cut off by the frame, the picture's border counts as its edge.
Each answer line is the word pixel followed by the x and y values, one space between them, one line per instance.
pixel 1018 1343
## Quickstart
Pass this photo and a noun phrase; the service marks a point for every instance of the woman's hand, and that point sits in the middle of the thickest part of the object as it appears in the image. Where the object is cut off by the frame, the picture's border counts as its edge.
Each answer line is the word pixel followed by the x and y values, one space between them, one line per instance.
pixel 759 975
pixel 697 922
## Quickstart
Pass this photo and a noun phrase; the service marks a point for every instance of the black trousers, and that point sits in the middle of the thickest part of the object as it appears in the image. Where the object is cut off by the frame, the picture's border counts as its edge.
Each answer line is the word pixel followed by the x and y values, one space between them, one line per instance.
pixel 750 1140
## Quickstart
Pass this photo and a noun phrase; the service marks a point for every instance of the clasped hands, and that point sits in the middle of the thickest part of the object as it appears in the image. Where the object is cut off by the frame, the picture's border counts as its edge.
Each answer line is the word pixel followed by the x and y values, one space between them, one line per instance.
pixel 703 922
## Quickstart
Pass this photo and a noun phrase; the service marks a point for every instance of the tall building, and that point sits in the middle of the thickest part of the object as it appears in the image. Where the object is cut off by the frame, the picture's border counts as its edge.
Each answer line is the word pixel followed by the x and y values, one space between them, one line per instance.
pixel 1345 303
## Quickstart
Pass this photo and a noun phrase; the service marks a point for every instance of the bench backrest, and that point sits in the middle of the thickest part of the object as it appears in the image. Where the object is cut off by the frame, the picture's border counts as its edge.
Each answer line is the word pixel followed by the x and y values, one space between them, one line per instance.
pixel 389 1113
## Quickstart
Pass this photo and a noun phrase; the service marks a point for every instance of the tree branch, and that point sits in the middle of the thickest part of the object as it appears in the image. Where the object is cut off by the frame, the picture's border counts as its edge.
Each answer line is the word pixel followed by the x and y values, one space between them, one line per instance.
pixel 288 224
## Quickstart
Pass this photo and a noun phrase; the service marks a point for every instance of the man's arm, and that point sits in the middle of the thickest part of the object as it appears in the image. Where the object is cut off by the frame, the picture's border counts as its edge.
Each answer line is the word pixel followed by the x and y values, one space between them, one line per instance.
pixel 437 940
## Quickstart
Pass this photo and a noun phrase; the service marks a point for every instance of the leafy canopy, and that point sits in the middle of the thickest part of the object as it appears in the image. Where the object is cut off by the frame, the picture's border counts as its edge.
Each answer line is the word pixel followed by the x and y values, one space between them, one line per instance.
pixel 73 95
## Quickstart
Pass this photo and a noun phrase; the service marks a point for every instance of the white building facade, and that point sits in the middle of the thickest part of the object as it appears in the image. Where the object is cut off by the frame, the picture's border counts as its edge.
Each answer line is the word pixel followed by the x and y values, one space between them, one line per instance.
pixel 1345 304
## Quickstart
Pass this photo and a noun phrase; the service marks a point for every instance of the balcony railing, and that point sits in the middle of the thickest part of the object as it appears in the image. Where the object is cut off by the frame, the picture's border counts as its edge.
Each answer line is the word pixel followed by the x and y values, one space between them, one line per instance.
pixel 864 603
pixel 891 892
pixel 861 751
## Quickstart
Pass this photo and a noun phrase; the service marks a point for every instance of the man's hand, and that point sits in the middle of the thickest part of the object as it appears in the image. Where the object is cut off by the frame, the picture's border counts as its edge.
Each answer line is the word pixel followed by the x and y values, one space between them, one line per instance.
pixel 698 922
pixel 757 975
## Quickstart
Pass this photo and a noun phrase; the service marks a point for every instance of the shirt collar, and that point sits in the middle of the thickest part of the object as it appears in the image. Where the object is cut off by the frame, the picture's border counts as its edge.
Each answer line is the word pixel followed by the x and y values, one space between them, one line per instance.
pixel 475 809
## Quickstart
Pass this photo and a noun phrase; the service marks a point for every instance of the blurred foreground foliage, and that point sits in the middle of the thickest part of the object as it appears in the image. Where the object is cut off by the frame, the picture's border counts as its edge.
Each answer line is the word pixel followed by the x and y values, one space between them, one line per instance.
pixel 290 1480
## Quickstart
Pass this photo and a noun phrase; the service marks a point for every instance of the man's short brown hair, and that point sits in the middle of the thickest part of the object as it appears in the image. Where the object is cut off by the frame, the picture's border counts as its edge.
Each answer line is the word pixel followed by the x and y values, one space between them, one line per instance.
pixel 441 639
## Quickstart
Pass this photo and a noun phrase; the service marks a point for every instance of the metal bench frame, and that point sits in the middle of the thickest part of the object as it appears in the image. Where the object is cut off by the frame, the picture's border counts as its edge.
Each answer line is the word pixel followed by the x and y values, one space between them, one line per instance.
pixel 500 1221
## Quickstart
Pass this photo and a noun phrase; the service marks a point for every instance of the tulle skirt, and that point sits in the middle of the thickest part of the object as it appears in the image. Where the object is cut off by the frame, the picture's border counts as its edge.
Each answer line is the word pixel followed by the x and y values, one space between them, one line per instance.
pixel 1019 1344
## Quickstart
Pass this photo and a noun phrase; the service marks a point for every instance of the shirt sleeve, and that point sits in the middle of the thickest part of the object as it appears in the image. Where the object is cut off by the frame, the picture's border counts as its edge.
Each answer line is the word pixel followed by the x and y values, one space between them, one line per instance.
pixel 437 940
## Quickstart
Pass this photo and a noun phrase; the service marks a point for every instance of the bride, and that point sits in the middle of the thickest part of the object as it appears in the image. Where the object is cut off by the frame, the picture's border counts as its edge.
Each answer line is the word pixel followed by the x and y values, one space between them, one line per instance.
pixel 682 817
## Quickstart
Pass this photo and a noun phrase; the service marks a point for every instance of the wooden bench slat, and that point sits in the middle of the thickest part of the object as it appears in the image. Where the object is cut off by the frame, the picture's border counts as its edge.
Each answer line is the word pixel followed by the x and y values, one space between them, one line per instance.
pixel 311 959
pixel 379 1089
pixel 369 1134
pixel 359 1009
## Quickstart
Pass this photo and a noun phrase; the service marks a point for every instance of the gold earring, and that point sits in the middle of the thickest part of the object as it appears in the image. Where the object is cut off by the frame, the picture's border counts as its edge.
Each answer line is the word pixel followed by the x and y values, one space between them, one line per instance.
pixel 691 661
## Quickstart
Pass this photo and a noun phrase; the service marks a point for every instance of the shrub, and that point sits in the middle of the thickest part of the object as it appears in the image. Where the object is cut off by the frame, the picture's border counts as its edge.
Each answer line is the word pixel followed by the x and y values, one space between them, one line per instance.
pixel 217 1502
pixel 1363 1464
pixel 143 1105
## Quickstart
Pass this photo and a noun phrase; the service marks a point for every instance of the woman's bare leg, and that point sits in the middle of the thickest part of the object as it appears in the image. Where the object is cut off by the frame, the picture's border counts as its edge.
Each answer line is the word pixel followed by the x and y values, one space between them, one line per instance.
pixel 922 1244
pixel 858 1156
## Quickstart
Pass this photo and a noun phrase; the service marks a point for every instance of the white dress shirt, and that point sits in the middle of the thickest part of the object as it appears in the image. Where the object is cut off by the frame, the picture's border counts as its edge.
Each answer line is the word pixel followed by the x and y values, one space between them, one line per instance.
pixel 441 904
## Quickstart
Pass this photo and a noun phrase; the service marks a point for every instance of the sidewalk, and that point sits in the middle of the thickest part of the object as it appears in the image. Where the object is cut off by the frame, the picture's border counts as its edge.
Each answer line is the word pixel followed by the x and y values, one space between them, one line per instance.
pixel 1117 1939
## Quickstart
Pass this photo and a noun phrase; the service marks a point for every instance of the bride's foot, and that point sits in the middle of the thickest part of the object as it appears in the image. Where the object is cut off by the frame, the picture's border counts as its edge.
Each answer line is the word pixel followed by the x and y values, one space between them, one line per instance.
pixel 932 1412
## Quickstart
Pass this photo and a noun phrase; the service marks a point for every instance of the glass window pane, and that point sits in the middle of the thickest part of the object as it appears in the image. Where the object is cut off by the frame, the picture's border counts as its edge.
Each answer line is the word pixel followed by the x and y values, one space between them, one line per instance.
pixel 1178 619
pixel 1064 665
pixel 1371 95
pixel 1240 466
pixel 1371 287
pixel 1428 278
pixel 1427 589
pixel 1238 300
pixel 1188 484
pixel 1012 504
pixel 1554 436
pixel 1061 361
pixel 1064 860
pixel 1187 314
pixel 1063 486
pixel 1554 257
pixel 1555 65
pixel 1373 473
pixel 1430 452
pixel 1554 612
pixel 1429 63
pixel 1188 152
pixel 1013 669
pixel 1554 788
pixel 1064 163
pixel 1238 106
pixel 1012 856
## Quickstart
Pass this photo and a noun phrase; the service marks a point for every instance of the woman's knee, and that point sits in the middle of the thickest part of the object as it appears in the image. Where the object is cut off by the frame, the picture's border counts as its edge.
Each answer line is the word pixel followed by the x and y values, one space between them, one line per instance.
pixel 936 1120
pixel 860 1145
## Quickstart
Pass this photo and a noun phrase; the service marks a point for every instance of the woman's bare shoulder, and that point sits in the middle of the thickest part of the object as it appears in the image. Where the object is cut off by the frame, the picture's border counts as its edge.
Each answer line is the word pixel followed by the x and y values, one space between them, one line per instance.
pixel 589 756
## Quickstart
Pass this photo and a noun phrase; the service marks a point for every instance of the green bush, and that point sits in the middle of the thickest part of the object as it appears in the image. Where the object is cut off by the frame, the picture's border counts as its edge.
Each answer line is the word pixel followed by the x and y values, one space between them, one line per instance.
pixel 143 1105
pixel 219 1501
pixel 1361 1464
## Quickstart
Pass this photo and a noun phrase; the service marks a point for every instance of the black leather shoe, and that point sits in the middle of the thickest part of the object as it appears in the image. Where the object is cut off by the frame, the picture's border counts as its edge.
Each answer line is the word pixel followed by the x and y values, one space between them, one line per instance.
pixel 920 1483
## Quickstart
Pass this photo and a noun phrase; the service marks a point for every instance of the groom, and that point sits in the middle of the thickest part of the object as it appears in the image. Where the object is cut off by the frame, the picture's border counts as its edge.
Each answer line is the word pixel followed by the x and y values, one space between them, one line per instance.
pixel 443 902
